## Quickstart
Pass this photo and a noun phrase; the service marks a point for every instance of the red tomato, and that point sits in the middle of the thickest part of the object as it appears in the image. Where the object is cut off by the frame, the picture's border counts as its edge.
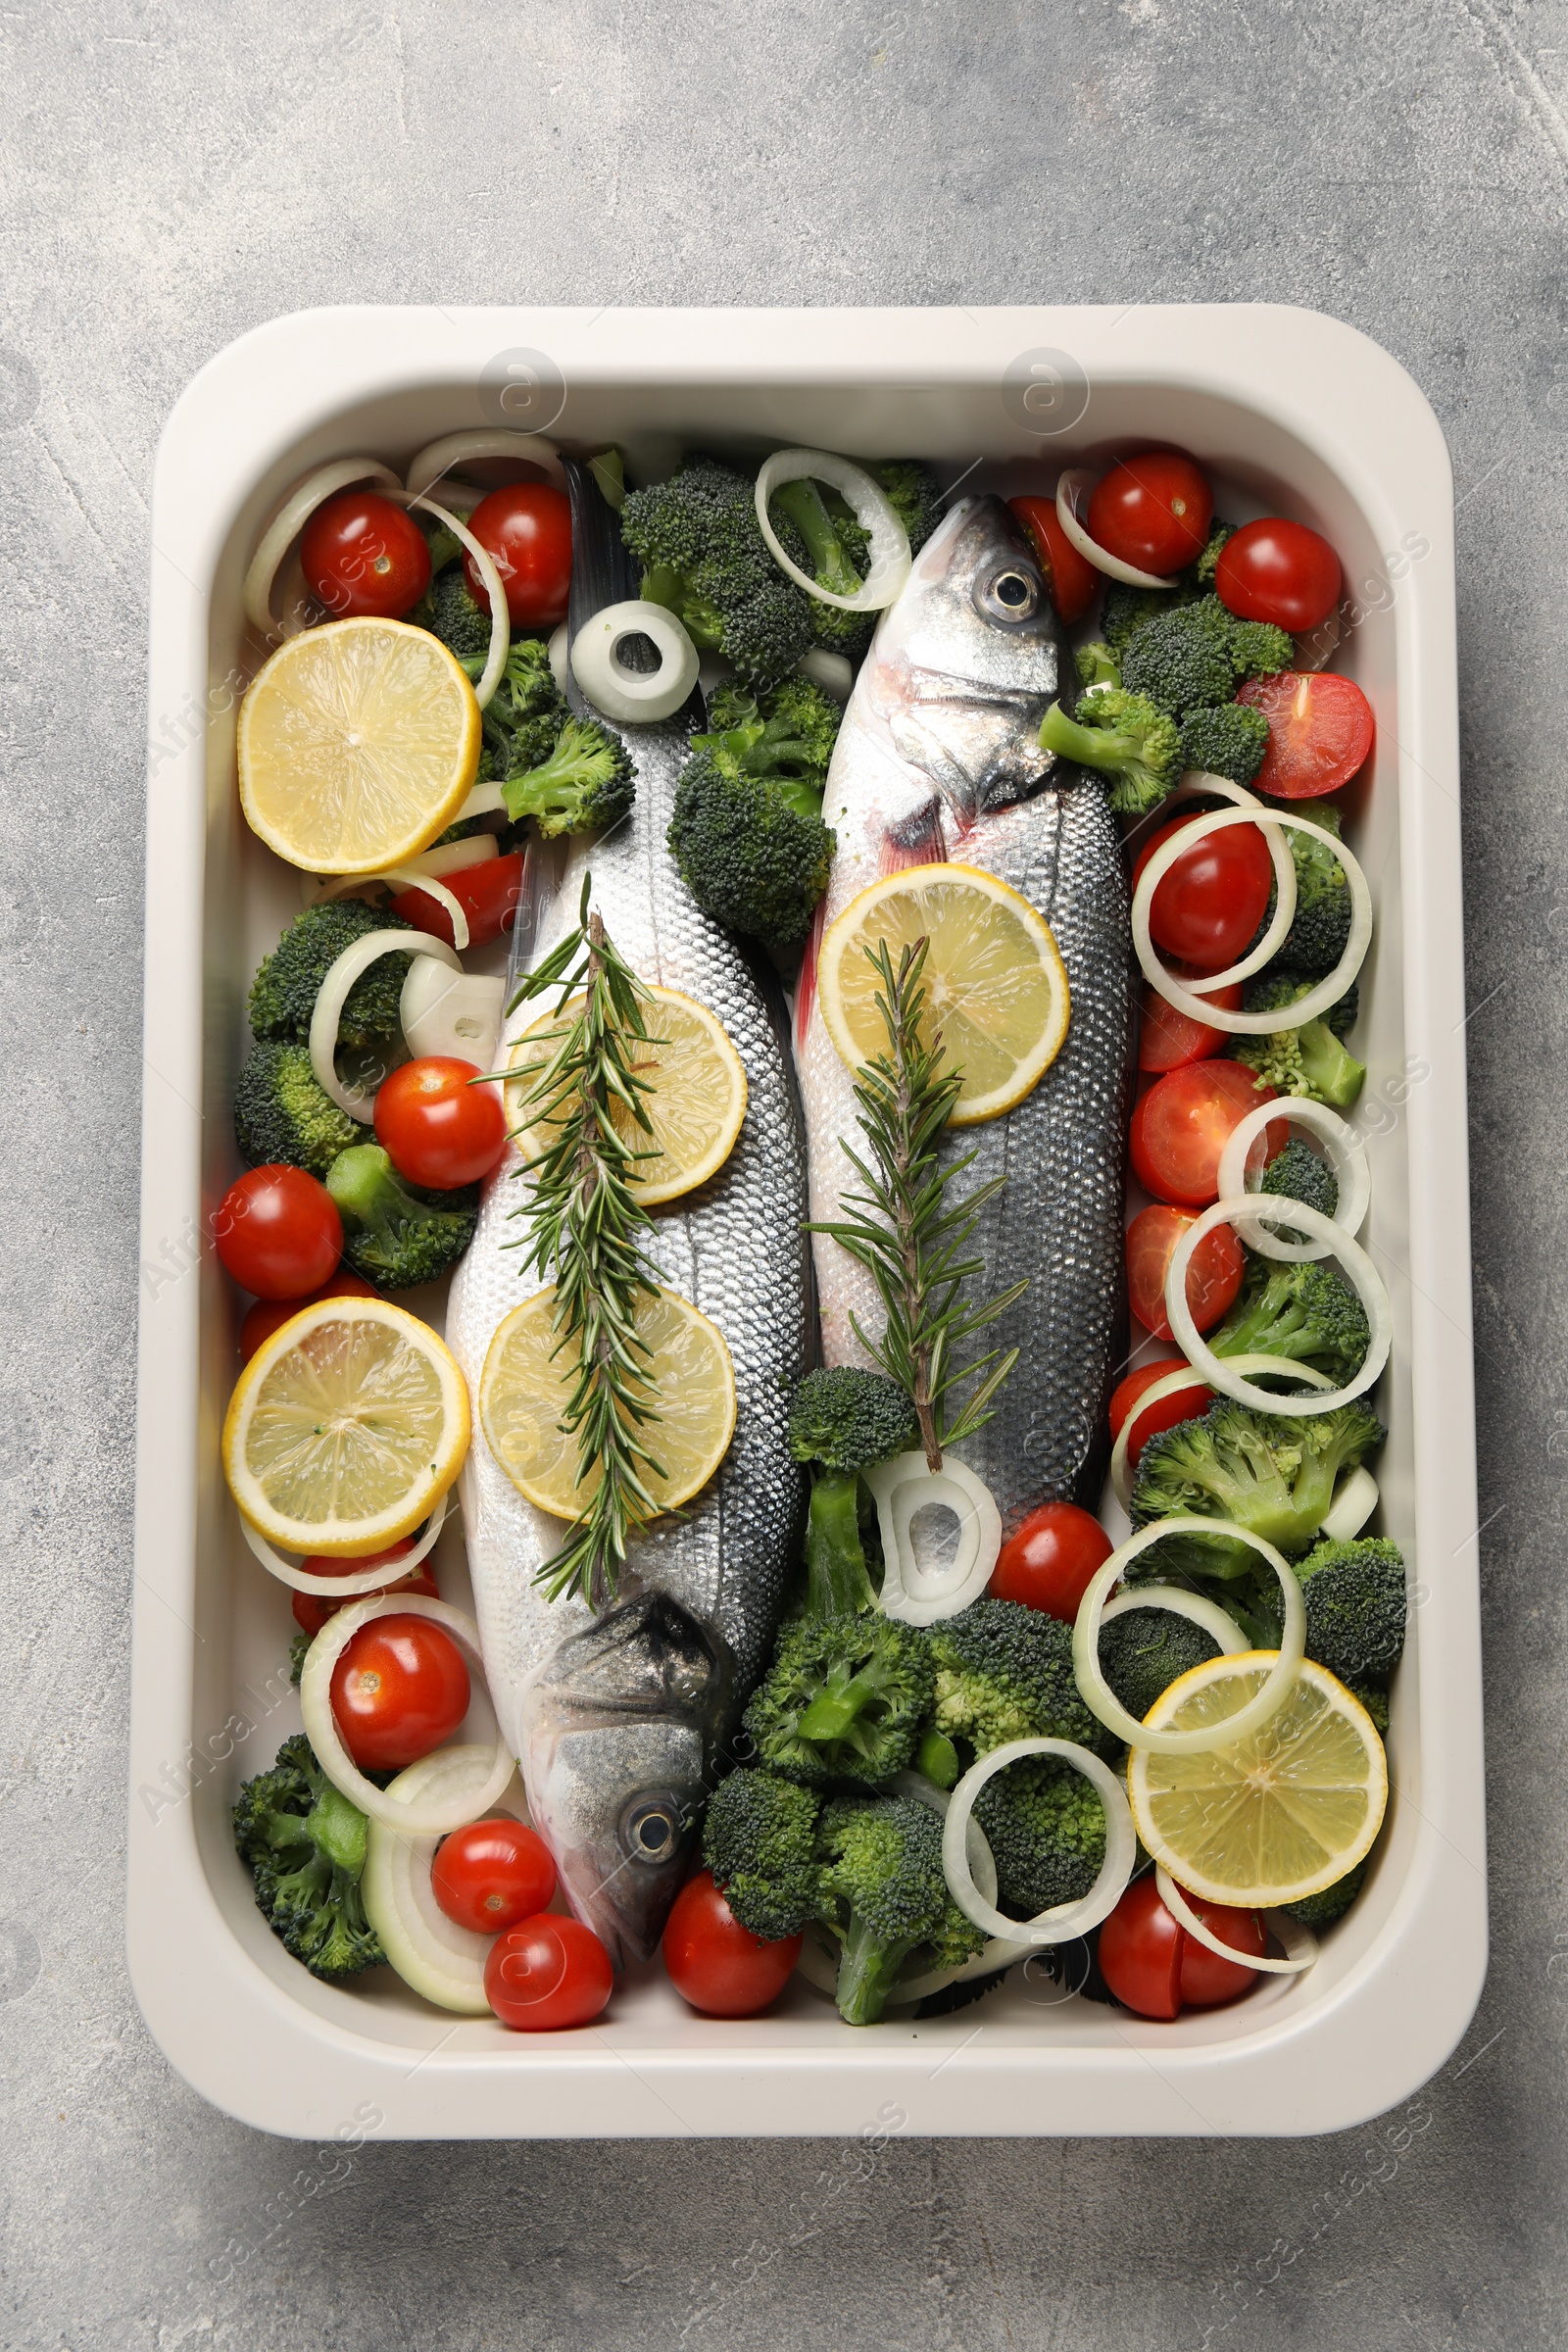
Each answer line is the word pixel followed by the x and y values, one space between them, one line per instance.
pixel 1154 510
pixel 1072 580
pixel 278 1233
pixel 547 1973
pixel 1185 1405
pixel 1048 1562
pixel 720 1967
pixel 526 531
pixel 271 1314
pixel 493 1874
pixel 361 553
pixel 1320 731
pixel 1205 1978
pixel 1182 1125
pixel 1207 906
pixel 313 1609
pixel 1167 1039
pixel 400 1688
pixel 488 894
pixel 1213 1276
pixel 1141 1952
pixel 1279 571
pixel 438 1128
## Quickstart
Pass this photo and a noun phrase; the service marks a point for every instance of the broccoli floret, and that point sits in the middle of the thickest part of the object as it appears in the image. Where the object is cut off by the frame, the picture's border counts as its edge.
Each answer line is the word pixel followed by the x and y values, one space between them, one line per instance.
pixel 1304 1312
pixel 1141 1653
pixel 1182 659
pixel 449 611
pixel 705 557
pixel 305 1844
pixel 1228 739
pixel 787 733
pixel 1322 1910
pixel 914 493
pixel 1321 923
pixel 1125 739
pixel 760 1841
pixel 1126 611
pixel 886 1894
pixel 1259 649
pixel 1299 1174
pixel 282 1113
pixel 1097 665
pixel 1374 1698
pixel 844 1699
pixel 844 1421
pixel 1311 1061
pixel 392 1236
pixel 749 857
pixel 1046 1828
pixel 528 711
pixel 1355 1607
pixel 284 991
pixel 1207 563
pixel 588 783
pixel 1004 1672
pixel 1273 1474
pixel 817 542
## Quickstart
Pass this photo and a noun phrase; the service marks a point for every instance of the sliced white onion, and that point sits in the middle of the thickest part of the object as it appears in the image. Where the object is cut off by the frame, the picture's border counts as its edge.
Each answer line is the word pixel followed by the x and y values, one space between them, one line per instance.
pixel 634 694
pixel 1284 1016
pixel 1183 1376
pixel 455 449
pixel 500 611
pixel 345 1588
pixel 435 1817
pixel 1300 1947
pixel 1255 1209
pixel 290 519
pixel 559 654
pixel 1346 1151
pixel 1314 650
pixel 451 1012
pixel 1062 1920
pixel 1193 1606
pixel 911 1593
pixel 334 991
pixel 874 512
pixel 832 671
pixel 1098 1695
pixel 430 1952
pixel 1356 1498
pixel 1078 481
pixel 485 800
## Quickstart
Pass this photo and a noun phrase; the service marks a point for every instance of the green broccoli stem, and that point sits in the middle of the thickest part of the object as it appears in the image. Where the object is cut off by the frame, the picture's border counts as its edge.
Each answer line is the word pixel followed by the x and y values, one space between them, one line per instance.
pixel 837 1581
pixel 802 502
pixel 1089 747
pixel 340 1830
pixel 1334 1075
pixel 938 1759
pixel 868 1968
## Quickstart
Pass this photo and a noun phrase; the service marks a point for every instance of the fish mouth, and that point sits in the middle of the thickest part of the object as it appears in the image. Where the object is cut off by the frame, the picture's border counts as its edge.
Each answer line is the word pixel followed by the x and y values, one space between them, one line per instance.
pixel 619 1727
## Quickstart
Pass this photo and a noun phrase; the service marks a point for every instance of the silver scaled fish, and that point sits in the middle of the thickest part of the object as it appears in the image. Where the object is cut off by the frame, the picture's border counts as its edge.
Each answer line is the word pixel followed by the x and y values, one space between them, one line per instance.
pixel 937 760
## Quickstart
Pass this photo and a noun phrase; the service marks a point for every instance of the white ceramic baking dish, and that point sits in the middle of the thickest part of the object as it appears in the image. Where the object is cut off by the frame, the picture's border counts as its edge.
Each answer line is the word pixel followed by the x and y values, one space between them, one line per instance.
pixel 1294 412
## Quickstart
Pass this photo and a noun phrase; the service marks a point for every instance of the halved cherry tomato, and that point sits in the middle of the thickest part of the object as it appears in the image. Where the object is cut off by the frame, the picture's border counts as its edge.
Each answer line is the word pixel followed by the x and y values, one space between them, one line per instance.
pixel 1205 1978
pixel 1072 580
pixel 1280 571
pixel 271 1314
pixel 439 1129
pixel 1154 510
pixel 1186 1406
pixel 1320 734
pixel 547 1973
pixel 361 553
pixel 1213 1276
pixel 720 1967
pixel 1048 1564
pixel 1167 1040
pixel 488 893
pixel 313 1609
pixel 493 1874
pixel 1207 906
pixel 525 529
pixel 1183 1124
pixel 278 1233
pixel 1140 1952
pixel 400 1688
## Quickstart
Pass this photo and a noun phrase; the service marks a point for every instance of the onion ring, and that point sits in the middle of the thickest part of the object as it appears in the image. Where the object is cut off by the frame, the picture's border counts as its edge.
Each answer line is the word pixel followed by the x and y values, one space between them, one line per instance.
pixel 632 694
pixel 1171 1384
pixel 1345 1149
pixel 1062 1920
pixel 438 1959
pixel 1305 1943
pixel 288 523
pixel 431 1820
pixel 489 677
pixel 333 996
pixel 1099 1698
pixel 1276 1207
pixel 874 512
pixel 559 654
pixel 831 672
pixel 528 449
pixel 1068 485
pixel 1198 1610
pixel 1197 784
pixel 1356 1498
pixel 345 1588
pixel 905 1485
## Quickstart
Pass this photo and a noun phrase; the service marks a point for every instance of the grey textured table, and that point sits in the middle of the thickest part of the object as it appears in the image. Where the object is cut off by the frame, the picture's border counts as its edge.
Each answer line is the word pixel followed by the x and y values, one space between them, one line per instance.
pixel 174 175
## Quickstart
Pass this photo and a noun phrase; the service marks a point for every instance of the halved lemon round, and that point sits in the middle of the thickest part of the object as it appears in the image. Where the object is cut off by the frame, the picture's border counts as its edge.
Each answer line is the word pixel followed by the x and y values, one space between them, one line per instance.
pixel 697 1105
pixel 358 742
pixel 526 1386
pixel 345 1428
pixel 1272 1818
pixel 995 986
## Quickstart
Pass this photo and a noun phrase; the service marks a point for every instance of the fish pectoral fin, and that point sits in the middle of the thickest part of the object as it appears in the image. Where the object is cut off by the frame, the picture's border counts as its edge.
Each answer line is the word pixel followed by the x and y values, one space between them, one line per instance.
pixel 921 748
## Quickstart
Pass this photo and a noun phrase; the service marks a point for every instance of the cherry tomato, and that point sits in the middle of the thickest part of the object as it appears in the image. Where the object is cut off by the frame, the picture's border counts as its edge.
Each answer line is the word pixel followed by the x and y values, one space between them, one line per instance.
pixel 278 1233
pixel 1072 580
pixel 1141 1952
pixel 1205 1978
pixel 547 1973
pixel 526 531
pixel 1154 510
pixel 271 1314
pixel 1183 1124
pixel 1186 1406
pixel 488 893
pixel 1213 1275
pixel 1168 1039
pixel 1207 906
pixel 400 1688
pixel 1048 1564
pixel 1320 733
pixel 714 1963
pixel 361 553
pixel 438 1128
pixel 313 1609
pixel 493 1874
pixel 1279 571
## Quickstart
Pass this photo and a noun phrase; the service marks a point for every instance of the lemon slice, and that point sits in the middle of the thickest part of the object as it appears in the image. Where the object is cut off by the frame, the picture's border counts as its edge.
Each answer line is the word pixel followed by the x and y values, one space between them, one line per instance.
pixel 1271 1818
pixel 358 742
pixel 526 1386
pixel 345 1428
pixel 996 986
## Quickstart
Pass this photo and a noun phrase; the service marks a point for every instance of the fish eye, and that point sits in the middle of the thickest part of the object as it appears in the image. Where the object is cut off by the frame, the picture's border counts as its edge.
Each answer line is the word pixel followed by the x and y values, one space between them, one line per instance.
pixel 1011 594
pixel 650 1826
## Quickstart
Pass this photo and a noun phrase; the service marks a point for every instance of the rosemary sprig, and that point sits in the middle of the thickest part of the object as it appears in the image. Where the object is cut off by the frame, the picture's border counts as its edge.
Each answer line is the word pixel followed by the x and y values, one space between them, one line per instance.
pixel 903 1231
pixel 586 1235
